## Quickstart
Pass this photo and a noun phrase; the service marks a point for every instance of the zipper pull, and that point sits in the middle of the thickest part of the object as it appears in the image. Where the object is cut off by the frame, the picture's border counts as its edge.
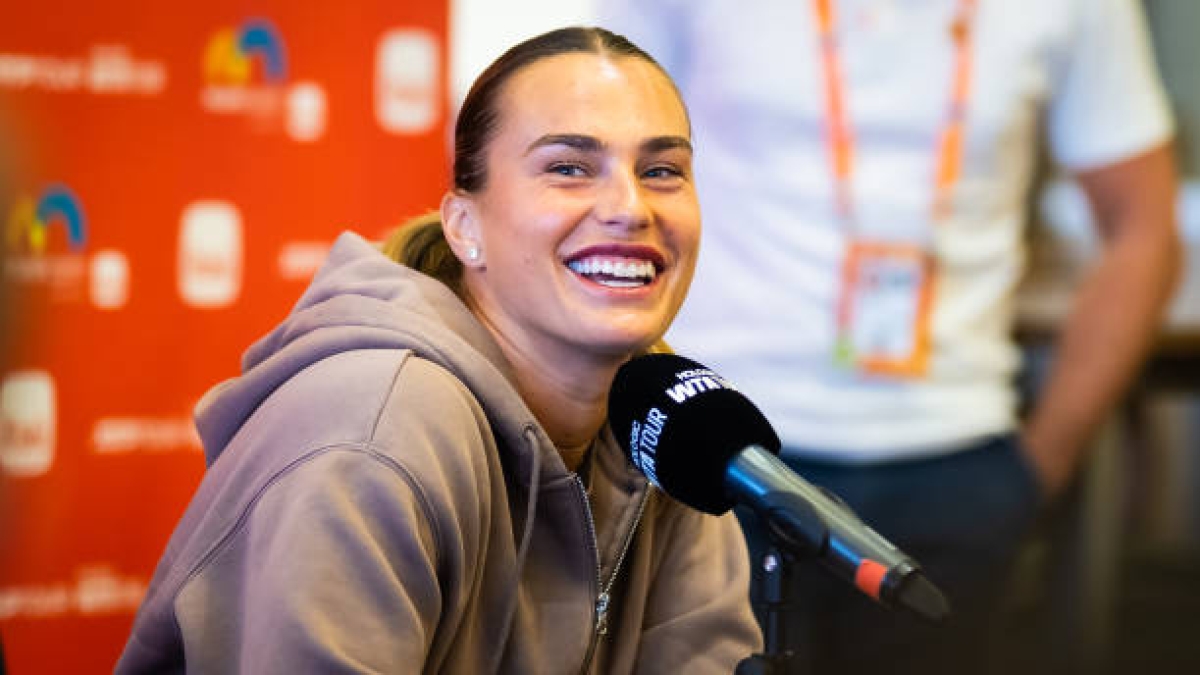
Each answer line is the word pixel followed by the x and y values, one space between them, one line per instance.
pixel 602 614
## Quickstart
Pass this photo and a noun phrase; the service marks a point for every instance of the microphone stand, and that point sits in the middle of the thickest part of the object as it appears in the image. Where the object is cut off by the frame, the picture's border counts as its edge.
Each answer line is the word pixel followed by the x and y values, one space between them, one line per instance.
pixel 775 594
pixel 791 524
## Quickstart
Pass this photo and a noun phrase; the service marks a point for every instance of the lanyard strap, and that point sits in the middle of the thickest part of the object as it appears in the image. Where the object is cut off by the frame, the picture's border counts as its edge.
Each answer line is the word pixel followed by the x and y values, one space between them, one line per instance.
pixel 840 135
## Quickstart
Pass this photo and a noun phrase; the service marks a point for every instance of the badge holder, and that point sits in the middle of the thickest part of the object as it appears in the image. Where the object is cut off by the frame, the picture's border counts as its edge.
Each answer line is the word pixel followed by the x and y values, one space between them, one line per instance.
pixel 884 309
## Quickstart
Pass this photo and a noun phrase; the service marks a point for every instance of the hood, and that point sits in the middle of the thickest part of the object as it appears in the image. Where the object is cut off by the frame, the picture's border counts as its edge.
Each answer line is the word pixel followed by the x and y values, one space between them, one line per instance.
pixel 360 299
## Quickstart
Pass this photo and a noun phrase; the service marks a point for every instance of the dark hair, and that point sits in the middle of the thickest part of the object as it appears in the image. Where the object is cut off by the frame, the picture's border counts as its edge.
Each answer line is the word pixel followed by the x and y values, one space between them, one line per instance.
pixel 478 117
pixel 419 242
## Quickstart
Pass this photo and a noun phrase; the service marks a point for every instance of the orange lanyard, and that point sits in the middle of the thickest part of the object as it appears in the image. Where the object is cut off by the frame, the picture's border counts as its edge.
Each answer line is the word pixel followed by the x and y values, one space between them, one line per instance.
pixel 840 135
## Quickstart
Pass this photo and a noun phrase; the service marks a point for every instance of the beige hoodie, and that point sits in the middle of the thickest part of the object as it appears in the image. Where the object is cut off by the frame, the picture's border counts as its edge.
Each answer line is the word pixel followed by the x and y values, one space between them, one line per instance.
pixel 380 500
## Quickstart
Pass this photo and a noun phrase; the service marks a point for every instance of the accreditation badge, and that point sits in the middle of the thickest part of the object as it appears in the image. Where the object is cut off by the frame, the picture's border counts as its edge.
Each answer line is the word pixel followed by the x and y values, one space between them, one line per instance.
pixel 884 309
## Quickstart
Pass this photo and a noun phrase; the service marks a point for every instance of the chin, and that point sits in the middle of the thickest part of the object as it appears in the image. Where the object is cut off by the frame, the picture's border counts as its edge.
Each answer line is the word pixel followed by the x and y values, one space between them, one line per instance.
pixel 622 346
pixel 617 333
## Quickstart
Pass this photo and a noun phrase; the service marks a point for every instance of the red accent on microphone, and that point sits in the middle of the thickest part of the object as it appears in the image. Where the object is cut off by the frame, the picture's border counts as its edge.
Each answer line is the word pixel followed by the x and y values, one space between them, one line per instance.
pixel 869 577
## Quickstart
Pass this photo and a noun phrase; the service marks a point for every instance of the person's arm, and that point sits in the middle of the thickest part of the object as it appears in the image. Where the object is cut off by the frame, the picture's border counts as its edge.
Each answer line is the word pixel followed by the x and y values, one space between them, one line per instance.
pixel 1116 312
pixel 332 569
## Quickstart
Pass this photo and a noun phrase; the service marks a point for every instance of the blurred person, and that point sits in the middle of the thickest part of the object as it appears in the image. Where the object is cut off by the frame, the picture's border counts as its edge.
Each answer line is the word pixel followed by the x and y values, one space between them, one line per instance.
pixel 414 471
pixel 865 170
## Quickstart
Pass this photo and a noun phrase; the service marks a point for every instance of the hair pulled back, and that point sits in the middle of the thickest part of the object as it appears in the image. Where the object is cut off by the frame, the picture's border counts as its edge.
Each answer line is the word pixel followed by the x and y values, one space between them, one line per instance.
pixel 419 243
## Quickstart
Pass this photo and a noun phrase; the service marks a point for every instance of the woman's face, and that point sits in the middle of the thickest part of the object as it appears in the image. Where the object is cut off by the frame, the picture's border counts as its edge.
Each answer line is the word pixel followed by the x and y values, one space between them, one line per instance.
pixel 588 224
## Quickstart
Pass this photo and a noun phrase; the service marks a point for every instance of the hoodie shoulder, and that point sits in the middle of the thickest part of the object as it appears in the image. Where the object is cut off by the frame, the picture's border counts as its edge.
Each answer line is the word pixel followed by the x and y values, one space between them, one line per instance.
pixel 364 451
pixel 411 410
pixel 376 397
pixel 381 404
pixel 360 301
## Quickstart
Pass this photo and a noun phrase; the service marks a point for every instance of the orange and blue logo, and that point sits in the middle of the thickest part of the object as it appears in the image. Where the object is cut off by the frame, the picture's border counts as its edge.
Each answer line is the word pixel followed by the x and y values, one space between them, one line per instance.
pixel 30 222
pixel 231 55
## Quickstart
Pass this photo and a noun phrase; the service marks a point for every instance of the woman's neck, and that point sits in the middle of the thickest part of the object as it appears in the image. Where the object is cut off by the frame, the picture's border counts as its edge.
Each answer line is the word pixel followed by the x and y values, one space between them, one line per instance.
pixel 565 389
pixel 571 410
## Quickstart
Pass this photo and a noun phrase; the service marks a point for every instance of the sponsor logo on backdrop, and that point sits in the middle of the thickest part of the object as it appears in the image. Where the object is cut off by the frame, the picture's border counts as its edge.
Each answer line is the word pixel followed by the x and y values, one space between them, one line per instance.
pixel 110 279
pixel 109 69
pixel 28 423
pixel 126 435
pixel 45 240
pixel 94 590
pixel 29 225
pixel 245 68
pixel 307 112
pixel 407 89
pixel 246 73
pixel 209 261
pixel 300 260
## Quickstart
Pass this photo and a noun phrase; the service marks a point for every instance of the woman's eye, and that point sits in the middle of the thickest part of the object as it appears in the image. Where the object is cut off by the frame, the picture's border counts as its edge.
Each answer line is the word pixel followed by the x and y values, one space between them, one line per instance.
pixel 569 170
pixel 663 172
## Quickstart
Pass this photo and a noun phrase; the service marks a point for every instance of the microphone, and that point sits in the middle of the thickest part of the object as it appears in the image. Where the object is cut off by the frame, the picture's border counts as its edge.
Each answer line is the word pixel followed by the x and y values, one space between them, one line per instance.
pixel 697 438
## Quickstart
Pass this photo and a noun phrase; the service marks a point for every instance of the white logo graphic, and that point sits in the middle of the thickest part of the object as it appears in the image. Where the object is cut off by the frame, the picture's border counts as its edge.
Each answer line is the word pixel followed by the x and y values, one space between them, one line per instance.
pixel 406 81
pixel 307 112
pixel 110 279
pixel 210 254
pixel 692 382
pixel 107 70
pixel 643 443
pixel 124 435
pixel 300 260
pixel 96 589
pixel 27 423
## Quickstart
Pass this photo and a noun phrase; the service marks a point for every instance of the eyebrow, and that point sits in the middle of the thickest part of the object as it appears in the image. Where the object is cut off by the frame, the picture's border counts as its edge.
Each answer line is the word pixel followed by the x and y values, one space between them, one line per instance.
pixel 585 143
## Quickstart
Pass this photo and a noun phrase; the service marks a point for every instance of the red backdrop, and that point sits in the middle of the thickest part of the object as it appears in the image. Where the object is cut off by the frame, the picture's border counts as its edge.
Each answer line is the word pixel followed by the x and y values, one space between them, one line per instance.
pixel 169 176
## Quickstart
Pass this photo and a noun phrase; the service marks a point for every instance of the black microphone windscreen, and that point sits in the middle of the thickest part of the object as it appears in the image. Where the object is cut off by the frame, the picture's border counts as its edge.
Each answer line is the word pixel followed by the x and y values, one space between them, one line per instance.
pixel 681 424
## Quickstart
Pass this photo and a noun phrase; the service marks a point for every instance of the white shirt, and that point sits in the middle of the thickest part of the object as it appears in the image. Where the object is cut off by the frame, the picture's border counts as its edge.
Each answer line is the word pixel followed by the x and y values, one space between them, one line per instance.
pixel 761 308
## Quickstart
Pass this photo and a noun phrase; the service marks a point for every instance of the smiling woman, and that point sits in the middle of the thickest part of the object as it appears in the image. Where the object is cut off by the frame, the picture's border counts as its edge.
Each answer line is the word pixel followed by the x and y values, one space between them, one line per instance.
pixel 415 466
pixel 548 156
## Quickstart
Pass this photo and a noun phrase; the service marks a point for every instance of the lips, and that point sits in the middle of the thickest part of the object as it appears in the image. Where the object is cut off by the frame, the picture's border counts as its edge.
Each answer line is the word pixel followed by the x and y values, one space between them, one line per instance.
pixel 617 265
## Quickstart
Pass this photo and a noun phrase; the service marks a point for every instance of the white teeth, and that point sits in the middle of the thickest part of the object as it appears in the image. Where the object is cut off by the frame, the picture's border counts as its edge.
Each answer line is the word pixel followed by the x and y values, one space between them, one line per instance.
pixel 629 273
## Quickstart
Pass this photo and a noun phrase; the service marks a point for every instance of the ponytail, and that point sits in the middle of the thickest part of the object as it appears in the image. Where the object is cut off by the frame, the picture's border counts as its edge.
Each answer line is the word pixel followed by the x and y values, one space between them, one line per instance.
pixel 421 245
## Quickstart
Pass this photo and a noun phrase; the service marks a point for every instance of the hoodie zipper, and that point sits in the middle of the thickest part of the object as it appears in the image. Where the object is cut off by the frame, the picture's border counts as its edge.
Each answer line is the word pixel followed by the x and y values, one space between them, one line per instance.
pixel 600 615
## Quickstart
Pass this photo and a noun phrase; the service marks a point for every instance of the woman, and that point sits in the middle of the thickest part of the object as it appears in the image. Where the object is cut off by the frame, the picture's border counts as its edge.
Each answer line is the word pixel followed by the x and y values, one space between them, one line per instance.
pixel 414 471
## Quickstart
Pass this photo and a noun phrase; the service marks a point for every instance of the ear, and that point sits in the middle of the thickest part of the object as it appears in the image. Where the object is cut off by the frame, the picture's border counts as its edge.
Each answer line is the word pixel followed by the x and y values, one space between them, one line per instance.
pixel 460 223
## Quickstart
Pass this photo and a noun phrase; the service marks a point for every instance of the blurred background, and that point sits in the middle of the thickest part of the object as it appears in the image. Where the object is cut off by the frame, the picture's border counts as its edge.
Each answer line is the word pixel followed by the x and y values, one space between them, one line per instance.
pixel 171 176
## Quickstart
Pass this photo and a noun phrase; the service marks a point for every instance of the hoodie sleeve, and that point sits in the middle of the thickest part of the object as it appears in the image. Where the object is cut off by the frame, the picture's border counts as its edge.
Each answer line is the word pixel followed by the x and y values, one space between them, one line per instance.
pixel 698 617
pixel 333 569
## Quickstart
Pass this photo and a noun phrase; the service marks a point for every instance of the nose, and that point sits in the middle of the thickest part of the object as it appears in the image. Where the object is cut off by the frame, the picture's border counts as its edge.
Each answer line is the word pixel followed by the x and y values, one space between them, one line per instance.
pixel 620 200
